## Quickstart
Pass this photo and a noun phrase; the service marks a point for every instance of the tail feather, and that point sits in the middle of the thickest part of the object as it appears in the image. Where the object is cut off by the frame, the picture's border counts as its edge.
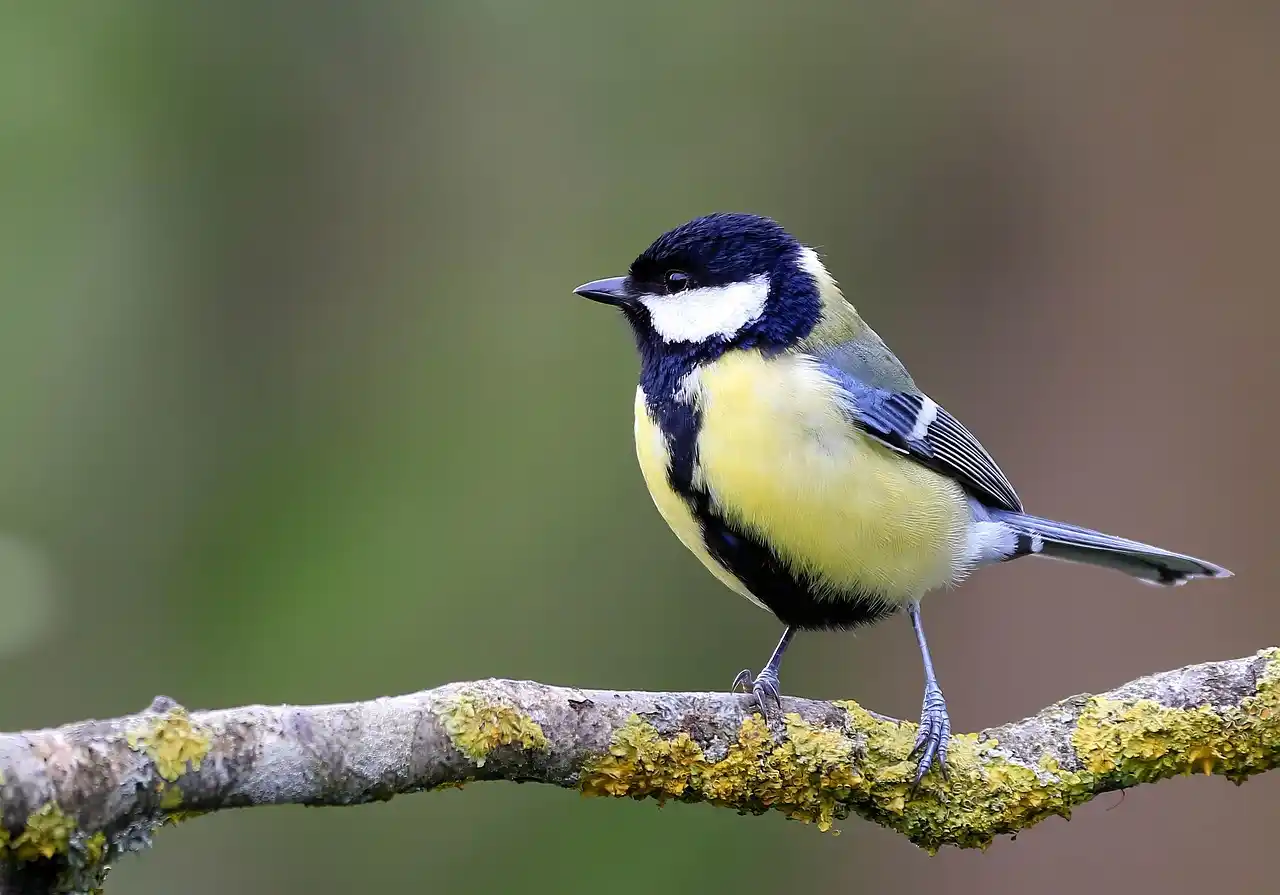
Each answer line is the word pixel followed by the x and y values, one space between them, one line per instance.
pixel 1061 540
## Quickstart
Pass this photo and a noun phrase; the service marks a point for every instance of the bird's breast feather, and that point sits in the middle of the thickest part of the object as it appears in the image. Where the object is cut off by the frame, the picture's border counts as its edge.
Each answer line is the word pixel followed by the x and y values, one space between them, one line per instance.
pixel 780 459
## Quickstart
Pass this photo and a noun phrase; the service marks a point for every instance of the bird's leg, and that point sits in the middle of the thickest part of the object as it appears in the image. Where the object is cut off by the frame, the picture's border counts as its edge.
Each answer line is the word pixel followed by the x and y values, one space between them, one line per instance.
pixel 765 685
pixel 935 725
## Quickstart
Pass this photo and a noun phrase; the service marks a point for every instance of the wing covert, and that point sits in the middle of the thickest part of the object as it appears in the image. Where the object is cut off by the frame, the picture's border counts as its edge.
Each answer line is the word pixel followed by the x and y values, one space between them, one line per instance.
pixel 914 424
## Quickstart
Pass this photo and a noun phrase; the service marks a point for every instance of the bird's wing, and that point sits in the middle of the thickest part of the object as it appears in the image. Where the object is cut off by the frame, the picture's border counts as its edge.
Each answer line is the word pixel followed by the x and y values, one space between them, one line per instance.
pixel 913 424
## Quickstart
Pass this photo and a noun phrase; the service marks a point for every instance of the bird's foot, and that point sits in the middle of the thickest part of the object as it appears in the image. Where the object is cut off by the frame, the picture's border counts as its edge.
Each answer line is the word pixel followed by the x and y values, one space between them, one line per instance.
pixel 934 735
pixel 764 688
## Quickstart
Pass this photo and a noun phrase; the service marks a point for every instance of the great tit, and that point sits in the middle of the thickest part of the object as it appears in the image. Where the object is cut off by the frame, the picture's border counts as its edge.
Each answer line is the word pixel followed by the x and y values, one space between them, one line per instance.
pixel 789 450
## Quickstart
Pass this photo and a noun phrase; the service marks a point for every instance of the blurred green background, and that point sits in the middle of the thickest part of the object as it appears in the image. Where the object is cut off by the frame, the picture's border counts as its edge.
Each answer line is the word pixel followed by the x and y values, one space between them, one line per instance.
pixel 297 404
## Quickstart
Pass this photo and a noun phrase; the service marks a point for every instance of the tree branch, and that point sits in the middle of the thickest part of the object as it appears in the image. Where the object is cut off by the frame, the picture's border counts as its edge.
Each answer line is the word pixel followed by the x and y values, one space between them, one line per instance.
pixel 74 798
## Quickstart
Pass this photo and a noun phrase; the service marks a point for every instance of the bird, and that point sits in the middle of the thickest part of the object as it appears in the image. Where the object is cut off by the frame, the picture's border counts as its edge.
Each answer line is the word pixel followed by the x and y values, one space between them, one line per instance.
pixel 787 448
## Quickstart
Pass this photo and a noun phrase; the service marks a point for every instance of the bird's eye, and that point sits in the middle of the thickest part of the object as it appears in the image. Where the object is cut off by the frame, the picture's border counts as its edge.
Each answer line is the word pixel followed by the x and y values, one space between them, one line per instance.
pixel 676 281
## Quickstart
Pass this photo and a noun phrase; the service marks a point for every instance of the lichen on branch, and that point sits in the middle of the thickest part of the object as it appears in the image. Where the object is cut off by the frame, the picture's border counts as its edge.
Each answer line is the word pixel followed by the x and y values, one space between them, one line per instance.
pixel 75 798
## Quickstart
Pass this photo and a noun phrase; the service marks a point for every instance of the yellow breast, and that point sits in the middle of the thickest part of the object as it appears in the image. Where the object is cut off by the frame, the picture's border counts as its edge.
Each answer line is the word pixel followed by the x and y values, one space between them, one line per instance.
pixel 780 461
pixel 651 451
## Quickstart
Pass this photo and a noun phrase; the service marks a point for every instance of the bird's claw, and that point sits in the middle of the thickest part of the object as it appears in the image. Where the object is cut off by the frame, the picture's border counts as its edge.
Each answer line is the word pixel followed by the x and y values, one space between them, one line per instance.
pixel 763 688
pixel 933 738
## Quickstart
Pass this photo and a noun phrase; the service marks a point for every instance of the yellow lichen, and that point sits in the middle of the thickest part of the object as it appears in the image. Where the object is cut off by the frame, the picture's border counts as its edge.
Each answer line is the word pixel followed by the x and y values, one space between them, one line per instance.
pixel 1136 741
pixel 451 784
pixel 170 797
pixel 47 833
pixel 807 777
pixel 172 742
pixel 477 727
pixel 986 793
pixel 641 763
pixel 819 774
pixel 94 847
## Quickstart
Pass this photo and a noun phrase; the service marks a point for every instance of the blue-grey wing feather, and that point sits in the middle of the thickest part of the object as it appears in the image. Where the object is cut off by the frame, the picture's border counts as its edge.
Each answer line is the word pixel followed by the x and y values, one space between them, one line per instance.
pixel 938 440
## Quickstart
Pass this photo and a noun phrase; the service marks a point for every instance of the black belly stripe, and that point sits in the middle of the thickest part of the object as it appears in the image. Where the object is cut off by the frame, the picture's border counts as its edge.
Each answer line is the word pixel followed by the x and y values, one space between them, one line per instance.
pixel 794 599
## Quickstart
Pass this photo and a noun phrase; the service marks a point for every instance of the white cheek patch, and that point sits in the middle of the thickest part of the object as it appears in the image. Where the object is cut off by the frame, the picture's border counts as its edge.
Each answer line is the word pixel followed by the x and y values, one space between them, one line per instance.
pixel 698 314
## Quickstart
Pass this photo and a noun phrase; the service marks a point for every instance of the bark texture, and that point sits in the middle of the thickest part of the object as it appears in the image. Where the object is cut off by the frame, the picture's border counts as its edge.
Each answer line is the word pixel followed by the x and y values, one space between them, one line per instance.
pixel 75 798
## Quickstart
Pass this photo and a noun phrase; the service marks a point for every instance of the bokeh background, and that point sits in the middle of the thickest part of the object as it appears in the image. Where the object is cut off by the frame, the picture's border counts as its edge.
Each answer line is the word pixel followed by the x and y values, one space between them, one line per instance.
pixel 296 403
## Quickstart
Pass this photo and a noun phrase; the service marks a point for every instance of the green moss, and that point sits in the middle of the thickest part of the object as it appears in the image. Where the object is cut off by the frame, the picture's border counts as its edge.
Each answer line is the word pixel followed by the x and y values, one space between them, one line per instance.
pixel 47 833
pixel 477 726
pixel 821 774
pixel 172 742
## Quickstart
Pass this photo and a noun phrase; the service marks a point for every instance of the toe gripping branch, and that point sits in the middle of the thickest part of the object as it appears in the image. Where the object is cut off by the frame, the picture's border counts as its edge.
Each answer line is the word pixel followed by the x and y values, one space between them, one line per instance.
pixel 766 688
pixel 930 748
pixel 934 736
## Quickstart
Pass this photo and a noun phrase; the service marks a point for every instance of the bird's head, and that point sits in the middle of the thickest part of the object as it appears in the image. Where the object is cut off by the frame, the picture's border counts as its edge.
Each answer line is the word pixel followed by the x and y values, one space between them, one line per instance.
pixel 718 283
